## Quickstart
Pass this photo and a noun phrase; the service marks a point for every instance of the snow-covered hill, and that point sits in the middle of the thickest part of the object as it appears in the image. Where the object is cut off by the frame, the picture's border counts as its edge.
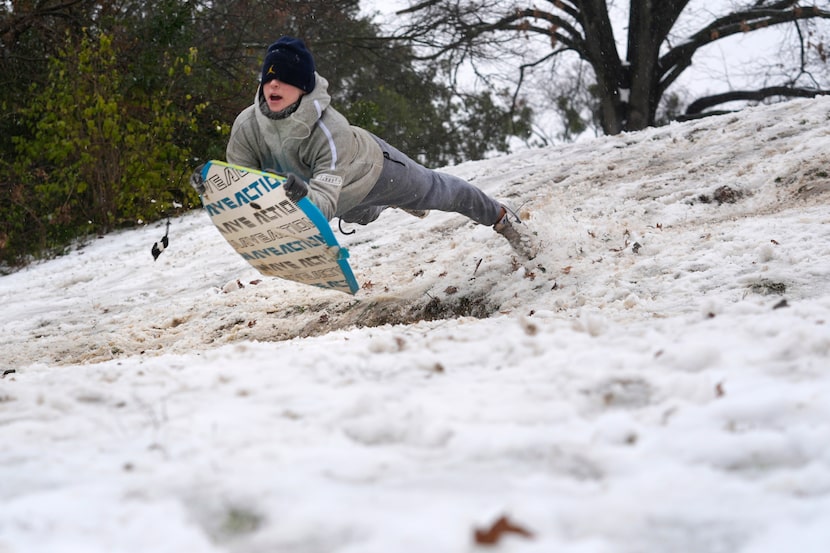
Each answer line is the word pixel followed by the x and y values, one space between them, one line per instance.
pixel 657 380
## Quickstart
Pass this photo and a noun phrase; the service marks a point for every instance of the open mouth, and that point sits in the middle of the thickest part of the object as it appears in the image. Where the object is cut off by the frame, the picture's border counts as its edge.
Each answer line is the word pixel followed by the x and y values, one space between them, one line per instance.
pixel 275 97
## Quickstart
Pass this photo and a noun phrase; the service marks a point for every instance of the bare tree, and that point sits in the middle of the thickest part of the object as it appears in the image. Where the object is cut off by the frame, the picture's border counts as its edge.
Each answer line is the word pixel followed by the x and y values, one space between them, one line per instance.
pixel 628 90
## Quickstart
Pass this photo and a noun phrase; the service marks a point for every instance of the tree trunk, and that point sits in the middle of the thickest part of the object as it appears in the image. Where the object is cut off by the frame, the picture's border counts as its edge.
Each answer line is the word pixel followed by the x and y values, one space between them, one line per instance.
pixel 600 50
pixel 649 23
pixel 643 45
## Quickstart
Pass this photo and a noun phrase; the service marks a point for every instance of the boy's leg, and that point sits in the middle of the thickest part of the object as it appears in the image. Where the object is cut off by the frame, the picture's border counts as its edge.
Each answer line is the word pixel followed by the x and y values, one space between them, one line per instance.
pixel 407 184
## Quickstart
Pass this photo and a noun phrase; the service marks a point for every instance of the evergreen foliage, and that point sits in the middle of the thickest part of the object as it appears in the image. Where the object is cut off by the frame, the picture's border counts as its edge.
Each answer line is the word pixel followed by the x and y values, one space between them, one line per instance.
pixel 107 108
pixel 92 159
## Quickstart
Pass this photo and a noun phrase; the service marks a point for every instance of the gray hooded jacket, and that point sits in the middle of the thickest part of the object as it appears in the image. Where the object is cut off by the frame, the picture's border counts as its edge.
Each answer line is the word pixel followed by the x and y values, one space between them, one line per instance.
pixel 340 162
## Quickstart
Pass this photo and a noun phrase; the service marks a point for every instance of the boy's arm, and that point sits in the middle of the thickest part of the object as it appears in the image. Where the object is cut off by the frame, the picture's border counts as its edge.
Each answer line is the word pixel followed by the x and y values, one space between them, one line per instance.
pixel 242 149
pixel 323 191
pixel 328 152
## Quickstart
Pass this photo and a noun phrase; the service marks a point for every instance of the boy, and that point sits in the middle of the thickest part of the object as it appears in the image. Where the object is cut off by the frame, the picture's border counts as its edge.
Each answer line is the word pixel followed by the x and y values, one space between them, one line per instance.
pixel 345 171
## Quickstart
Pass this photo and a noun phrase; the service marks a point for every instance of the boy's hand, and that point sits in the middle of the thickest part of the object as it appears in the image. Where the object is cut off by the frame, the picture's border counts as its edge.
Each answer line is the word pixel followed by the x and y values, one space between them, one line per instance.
pixel 295 188
pixel 197 181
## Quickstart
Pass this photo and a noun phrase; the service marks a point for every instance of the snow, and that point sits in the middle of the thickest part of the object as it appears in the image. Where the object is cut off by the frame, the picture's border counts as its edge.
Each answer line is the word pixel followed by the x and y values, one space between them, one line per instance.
pixel 657 380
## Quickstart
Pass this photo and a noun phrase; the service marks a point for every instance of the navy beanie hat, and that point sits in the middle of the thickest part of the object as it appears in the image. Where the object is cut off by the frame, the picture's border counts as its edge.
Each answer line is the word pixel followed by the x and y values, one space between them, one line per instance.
pixel 289 61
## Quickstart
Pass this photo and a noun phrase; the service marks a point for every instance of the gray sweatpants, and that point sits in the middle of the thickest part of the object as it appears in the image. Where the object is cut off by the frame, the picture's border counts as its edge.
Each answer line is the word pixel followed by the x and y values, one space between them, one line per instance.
pixel 408 184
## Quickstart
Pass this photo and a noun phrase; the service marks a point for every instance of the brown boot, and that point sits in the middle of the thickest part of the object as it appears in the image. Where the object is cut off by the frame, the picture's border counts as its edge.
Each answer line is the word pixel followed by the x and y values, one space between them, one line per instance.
pixel 523 243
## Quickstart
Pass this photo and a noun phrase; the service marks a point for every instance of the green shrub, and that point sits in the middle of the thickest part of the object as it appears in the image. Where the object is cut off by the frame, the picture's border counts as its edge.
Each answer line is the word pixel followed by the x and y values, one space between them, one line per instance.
pixel 92 159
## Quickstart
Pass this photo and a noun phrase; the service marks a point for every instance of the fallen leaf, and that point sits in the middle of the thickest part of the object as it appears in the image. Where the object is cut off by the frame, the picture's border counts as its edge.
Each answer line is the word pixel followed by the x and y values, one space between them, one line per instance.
pixel 502 526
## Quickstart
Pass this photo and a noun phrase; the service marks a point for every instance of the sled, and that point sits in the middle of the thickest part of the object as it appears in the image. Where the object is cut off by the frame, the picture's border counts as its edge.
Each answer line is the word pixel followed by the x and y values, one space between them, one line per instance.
pixel 278 237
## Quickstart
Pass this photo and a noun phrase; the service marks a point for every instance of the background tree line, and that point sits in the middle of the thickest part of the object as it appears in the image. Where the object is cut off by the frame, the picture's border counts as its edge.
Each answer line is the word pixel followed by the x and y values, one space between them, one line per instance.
pixel 613 65
pixel 107 105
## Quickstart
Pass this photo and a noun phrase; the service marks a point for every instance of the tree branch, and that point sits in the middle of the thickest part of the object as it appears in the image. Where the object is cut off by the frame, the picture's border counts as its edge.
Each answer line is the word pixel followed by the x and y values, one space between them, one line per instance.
pixel 464 27
pixel 701 104
pixel 417 7
pixel 673 63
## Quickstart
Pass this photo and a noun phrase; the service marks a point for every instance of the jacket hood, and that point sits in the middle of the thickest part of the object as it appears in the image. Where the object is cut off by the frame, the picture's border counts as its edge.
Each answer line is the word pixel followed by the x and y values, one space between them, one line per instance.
pixel 298 125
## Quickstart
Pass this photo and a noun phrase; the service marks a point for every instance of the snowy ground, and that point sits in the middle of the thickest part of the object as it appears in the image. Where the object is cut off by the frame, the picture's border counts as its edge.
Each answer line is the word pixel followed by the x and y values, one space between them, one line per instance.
pixel 658 382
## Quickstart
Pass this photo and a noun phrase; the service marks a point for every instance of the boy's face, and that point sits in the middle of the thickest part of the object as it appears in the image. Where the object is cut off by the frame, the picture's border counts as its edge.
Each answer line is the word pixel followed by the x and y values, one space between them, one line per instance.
pixel 279 95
